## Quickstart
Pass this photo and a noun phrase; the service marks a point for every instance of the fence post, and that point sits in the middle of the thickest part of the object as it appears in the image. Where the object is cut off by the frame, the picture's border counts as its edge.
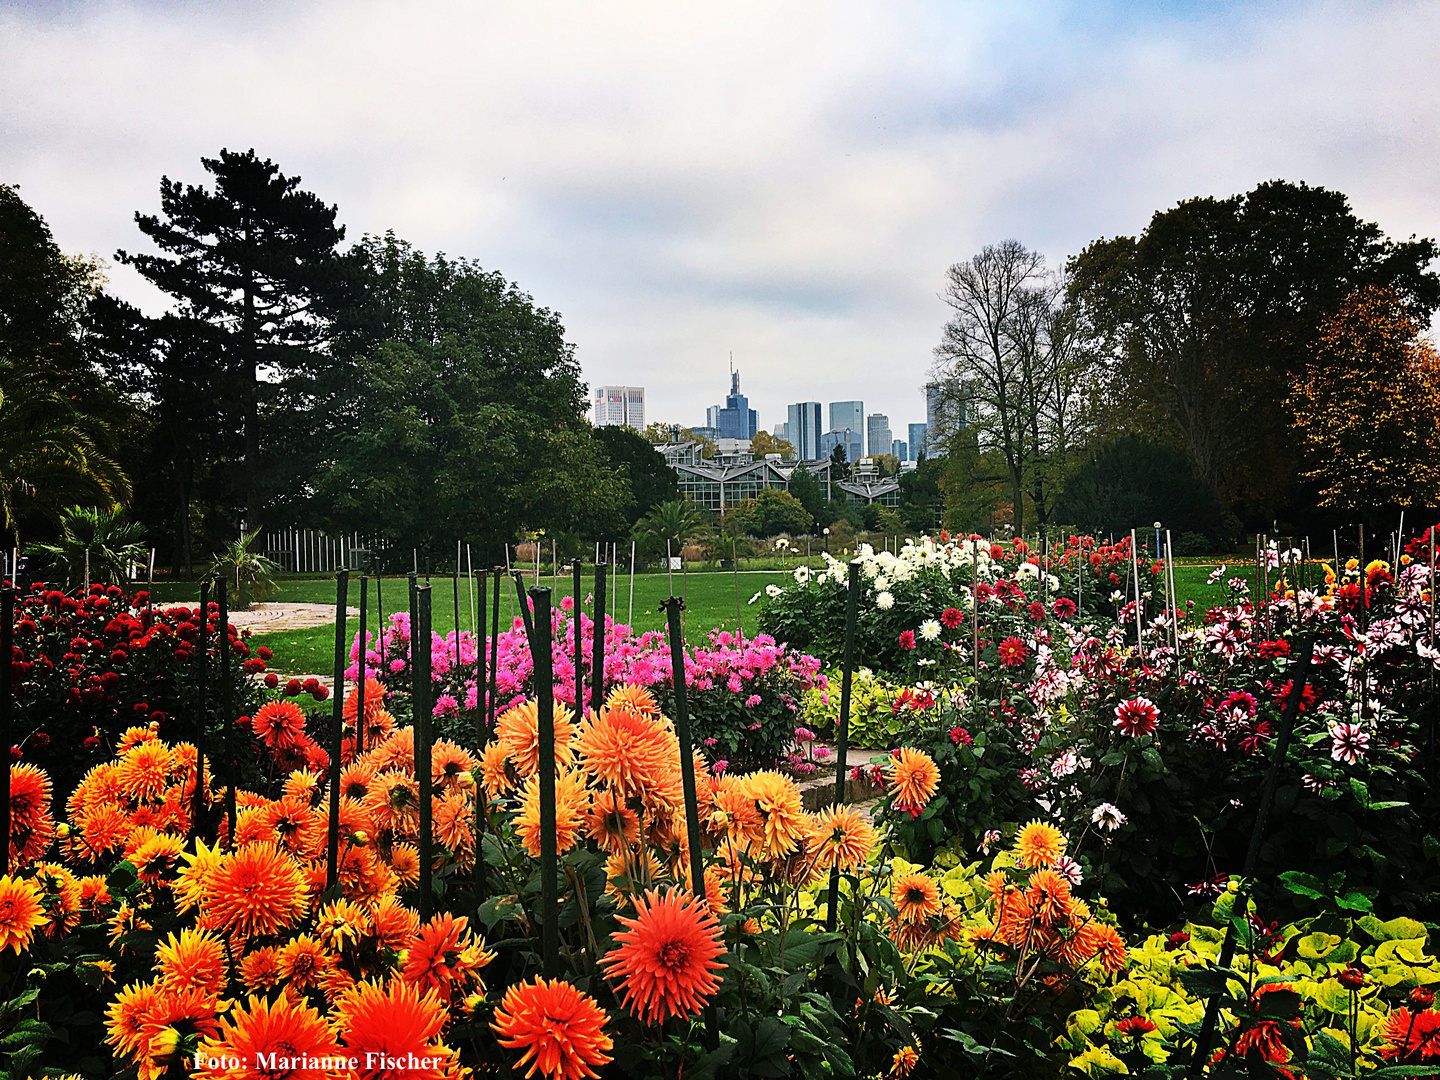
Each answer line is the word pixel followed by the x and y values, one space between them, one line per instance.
pixel 538 635
pixel 597 644
pixel 576 607
pixel 361 662
pixel 7 650
pixel 421 698
pixel 1300 670
pixel 227 737
pixel 842 727
pixel 201 648
pixel 337 722
pixel 482 736
pixel 492 706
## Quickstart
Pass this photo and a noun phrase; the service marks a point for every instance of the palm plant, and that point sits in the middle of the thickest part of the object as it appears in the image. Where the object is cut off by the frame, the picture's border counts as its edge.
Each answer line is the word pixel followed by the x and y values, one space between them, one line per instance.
pixel 250 575
pixel 94 542
pixel 677 521
pixel 50 455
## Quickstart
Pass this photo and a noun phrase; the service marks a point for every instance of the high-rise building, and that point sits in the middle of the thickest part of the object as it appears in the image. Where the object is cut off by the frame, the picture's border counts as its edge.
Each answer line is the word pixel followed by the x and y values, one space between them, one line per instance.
pixel 877 433
pixel 900 449
pixel 853 441
pixel 944 414
pixel 620 406
pixel 804 429
pixel 782 431
pixel 848 416
pixel 735 419
pixel 917 442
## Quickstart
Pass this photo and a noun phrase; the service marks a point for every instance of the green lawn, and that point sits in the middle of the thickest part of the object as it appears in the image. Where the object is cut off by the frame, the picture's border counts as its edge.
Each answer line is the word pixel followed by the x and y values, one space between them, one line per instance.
pixel 709 598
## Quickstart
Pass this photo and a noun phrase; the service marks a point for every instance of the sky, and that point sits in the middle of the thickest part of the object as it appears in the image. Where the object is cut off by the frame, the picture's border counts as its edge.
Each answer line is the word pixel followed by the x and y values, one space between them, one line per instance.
pixel 784 183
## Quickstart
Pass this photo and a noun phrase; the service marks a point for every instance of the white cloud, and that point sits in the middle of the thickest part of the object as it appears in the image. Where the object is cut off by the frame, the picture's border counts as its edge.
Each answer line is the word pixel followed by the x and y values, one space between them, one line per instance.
pixel 784 182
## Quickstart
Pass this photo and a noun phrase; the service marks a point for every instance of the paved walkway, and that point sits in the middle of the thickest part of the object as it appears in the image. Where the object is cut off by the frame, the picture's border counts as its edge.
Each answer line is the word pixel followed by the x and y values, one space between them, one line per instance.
pixel 273 617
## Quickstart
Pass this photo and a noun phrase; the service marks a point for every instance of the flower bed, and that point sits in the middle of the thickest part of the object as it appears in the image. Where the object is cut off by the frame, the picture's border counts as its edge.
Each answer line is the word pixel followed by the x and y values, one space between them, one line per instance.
pixel 744 693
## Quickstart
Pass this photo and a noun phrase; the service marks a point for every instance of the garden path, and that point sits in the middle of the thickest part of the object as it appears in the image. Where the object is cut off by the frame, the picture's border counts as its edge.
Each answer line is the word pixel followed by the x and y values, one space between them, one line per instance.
pixel 276 617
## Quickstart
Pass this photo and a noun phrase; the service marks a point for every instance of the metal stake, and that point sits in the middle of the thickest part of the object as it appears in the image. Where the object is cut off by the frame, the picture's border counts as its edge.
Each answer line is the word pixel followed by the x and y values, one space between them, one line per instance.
pixel 337 724
pixel 842 728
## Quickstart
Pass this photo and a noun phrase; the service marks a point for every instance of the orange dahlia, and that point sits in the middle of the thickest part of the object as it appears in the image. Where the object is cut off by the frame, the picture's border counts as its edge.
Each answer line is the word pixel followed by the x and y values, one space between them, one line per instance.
pixel 916 897
pixel 304 962
pixel 450 765
pixel 393 924
pixel 304 785
pixel 392 1021
pixel 102 830
pixel 571 800
pixel 776 801
pixel 914 777
pixel 840 838
pixel 341 924
pixel 518 730
pixel 405 864
pixel 374 702
pixel 279 724
pixel 256 890
pixel 355 779
pixel 125 1026
pixel 192 882
pixel 144 770
pixel 443 954
pixel 494 770
pixel 193 958
pixel 633 753
pixel 668 955
pixel 393 802
pixel 635 698
pixel 20 913
pixel 560 1030
pixel 155 860
pixel 1039 844
pixel 282 1030
pixel 612 824
pixel 260 970
pixel 29 795
pixel 453 820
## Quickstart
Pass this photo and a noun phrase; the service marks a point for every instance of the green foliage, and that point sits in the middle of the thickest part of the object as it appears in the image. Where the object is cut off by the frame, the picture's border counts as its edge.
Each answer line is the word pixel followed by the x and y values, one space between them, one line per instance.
pixel 651 481
pixel 1131 483
pixel 676 521
pixel 770 513
pixel 111 545
pixel 809 489
pixel 250 577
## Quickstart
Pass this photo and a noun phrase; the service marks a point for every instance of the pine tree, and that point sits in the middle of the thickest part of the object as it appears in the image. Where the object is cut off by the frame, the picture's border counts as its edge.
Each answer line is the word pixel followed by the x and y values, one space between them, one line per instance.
pixel 255 260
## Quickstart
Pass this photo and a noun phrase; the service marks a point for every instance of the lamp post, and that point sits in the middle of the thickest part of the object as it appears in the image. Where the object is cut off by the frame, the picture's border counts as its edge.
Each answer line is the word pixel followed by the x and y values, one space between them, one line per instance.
pixel 827 541
pixel 1157 541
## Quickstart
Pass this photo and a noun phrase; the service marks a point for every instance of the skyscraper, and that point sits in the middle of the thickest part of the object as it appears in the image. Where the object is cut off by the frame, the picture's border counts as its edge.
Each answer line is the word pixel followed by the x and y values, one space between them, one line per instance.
pixel 736 420
pixel 804 429
pixel 900 449
pixel 848 416
pixel 620 406
pixel 877 434
pixel 917 441
pixel 944 414
pixel 853 441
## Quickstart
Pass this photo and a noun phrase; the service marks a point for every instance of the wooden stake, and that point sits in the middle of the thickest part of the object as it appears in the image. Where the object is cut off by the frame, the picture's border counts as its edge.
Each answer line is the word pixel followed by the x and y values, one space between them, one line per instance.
pixel 337 723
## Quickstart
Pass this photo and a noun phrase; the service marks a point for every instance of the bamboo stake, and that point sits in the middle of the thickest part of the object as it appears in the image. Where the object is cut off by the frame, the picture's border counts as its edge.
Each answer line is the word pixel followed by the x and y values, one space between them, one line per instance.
pixel 842 728
pixel 360 677
pixel 7 739
pixel 538 635
pixel 1139 600
pixel 421 697
pixel 337 721
pixel 202 650
pixel 597 646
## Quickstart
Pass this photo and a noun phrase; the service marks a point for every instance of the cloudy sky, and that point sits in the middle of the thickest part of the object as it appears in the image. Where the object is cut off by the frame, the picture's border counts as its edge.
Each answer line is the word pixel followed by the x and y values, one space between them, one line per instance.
pixel 682 182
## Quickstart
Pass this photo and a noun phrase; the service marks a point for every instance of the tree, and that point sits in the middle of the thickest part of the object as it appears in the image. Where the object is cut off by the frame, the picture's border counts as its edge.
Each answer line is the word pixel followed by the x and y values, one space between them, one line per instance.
pixel 656 433
pixel 466 417
pixel 839 470
pixel 921 500
pixel 650 479
pixel 888 464
pixel 97 543
pixel 255 260
pixel 249 576
pixel 1367 406
pixel 50 455
pixel 771 513
pixel 764 444
pixel 673 523
pixel 1203 320
pixel 1132 482
pixel 809 489
pixel 1008 348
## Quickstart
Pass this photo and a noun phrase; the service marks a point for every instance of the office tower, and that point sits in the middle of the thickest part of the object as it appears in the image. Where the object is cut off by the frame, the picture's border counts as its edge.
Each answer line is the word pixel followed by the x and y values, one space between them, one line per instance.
pixel 900 449
pixel 735 419
pixel 917 441
pixel 804 428
pixel 944 414
pixel 853 442
pixel 782 431
pixel 848 416
pixel 877 433
pixel 620 406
